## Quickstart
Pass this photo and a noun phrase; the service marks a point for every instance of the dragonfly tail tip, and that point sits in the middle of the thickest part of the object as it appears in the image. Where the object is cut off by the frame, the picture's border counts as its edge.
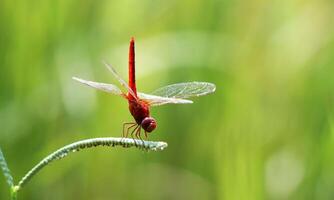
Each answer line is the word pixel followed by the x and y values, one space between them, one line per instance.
pixel 132 40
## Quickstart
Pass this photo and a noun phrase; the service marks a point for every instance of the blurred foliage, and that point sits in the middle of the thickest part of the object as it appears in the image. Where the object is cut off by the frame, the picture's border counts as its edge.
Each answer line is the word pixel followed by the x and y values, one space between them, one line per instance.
pixel 267 132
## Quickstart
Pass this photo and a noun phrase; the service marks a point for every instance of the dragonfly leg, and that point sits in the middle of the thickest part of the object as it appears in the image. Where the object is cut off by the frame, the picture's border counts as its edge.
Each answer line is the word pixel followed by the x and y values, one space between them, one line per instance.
pixel 125 134
pixel 135 129
pixel 138 135
pixel 146 135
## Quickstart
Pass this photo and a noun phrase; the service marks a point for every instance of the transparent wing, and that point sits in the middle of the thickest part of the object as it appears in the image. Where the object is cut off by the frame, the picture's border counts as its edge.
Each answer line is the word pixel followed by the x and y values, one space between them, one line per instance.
pixel 110 88
pixel 158 100
pixel 185 90
pixel 120 80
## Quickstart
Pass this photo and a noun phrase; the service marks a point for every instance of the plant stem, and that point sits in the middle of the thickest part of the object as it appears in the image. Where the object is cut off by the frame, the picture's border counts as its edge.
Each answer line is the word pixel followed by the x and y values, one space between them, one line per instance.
pixel 13 192
pixel 83 144
pixel 5 170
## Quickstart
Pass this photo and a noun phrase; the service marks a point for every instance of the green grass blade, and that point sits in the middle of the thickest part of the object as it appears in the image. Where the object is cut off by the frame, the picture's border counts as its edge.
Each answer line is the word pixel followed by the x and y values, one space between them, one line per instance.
pixel 5 170
pixel 90 143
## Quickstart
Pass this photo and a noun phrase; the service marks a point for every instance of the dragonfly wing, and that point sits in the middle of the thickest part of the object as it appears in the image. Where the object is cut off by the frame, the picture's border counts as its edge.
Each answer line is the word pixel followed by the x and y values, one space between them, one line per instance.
pixel 185 90
pixel 120 80
pixel 110 88
pixel 154 100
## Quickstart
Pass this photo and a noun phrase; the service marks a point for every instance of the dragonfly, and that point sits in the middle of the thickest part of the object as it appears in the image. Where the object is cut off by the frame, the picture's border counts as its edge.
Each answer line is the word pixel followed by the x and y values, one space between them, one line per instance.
pixel 140 103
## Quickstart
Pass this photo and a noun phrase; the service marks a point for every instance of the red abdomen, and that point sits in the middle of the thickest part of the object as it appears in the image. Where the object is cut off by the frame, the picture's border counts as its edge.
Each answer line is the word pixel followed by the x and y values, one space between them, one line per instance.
pixel 132 71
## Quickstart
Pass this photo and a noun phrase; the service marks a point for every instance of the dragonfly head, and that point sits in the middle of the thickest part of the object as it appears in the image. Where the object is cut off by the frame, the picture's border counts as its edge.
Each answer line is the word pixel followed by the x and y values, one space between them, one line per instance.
pixel 149 124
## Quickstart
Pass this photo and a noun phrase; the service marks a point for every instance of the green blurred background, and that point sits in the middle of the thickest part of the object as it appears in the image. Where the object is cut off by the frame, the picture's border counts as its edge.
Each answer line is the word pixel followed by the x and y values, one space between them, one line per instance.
pixel 266 133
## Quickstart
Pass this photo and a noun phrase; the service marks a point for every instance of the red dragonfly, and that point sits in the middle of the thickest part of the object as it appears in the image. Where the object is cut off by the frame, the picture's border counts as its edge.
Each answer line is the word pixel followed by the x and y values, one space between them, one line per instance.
pixel 140 103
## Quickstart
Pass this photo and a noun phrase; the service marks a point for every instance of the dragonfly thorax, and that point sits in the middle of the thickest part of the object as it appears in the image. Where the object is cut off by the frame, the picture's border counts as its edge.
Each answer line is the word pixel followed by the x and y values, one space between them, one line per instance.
pixel 140 111
pixel 149 124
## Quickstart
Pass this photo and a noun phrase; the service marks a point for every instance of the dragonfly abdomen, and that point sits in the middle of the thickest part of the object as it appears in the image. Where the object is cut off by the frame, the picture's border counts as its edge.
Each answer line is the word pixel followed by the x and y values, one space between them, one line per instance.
pixel 132 71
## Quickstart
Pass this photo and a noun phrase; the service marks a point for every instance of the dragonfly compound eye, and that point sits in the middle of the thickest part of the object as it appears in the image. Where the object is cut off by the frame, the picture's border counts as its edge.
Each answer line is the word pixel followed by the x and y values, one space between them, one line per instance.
pixel 149 124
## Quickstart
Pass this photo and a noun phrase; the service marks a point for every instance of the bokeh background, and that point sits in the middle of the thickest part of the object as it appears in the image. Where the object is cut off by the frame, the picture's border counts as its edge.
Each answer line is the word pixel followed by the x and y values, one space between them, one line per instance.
pixel 266 133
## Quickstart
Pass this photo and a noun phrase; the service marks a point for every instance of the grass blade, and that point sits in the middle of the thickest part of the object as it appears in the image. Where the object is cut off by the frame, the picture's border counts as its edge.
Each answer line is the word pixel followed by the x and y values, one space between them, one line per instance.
pixel 90 143
pixel 5 170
